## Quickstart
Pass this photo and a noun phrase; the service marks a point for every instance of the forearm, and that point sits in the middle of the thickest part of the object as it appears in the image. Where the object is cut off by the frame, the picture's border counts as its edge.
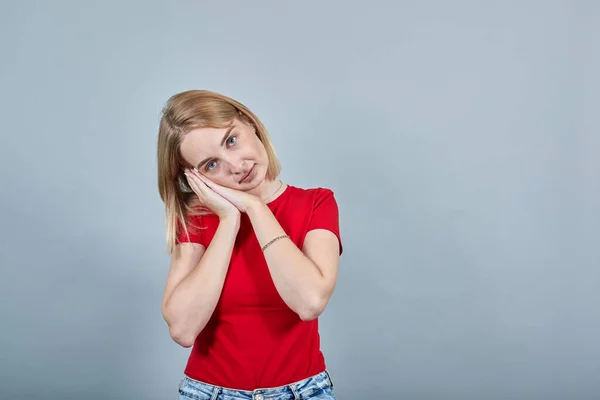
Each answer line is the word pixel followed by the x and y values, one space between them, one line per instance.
pixel 193 301
pixel 297 279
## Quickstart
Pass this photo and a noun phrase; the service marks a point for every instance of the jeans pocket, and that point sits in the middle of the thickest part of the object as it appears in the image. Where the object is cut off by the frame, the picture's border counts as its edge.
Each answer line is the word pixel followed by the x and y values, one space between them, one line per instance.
pixel 196 391
pixel 322 394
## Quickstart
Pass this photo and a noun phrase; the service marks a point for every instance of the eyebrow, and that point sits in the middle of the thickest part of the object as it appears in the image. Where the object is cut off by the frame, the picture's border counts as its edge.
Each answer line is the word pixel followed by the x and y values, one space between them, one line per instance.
pixel 227 132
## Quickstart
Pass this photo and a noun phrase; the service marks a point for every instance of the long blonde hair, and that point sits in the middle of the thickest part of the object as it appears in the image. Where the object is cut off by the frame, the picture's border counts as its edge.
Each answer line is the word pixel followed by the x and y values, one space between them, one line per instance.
pixel 182 113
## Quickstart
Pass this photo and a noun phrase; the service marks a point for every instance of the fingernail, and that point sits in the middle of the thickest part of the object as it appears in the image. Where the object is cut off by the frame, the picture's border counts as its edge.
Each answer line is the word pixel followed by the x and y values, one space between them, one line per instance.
pixel 195 170
pixel 185 173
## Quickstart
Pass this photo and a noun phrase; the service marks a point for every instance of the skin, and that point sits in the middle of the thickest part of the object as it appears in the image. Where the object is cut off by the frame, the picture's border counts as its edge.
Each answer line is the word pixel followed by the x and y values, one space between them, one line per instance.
pixel 305 278
pixel 220 158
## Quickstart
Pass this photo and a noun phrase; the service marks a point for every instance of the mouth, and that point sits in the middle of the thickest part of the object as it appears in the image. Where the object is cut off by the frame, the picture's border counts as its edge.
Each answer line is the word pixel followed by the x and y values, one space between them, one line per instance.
pixel 248 175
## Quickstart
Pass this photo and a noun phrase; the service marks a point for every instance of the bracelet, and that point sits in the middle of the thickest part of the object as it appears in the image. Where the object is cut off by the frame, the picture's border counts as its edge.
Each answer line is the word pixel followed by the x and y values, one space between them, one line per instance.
pixel 273 241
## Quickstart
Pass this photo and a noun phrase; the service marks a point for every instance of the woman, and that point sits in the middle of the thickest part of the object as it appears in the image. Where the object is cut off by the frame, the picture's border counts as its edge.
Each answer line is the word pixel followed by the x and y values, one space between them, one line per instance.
pixel 254 261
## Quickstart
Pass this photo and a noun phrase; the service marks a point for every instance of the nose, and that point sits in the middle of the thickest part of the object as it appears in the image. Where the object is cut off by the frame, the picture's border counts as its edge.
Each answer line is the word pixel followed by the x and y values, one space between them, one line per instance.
pixel 236 166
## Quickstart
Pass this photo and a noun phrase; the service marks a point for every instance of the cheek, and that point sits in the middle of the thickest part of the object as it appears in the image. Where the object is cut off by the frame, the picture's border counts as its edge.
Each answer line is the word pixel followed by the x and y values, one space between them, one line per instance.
pixel 221 179
pixel 259 151
pixel 250 152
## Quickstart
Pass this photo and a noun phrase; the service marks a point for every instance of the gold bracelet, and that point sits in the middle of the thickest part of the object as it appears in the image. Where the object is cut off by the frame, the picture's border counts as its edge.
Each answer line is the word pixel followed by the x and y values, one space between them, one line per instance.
pixel 273 241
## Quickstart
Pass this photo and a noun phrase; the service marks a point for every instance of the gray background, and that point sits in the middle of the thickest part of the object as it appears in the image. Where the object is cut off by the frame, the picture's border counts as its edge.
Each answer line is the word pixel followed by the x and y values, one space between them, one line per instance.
pixel 460 138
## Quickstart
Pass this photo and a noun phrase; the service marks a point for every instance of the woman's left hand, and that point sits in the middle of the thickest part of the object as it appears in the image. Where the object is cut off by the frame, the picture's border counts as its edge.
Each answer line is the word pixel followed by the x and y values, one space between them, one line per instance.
pixel 238 198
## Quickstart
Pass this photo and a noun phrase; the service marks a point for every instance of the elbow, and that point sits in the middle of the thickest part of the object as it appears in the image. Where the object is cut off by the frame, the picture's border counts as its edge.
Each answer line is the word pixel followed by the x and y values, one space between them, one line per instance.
pixel 311 311
pixel 314 303
pixel 179 332
pixel 181 337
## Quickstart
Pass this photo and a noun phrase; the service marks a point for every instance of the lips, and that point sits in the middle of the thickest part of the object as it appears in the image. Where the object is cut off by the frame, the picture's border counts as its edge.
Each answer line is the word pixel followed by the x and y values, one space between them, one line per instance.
pixel 248 174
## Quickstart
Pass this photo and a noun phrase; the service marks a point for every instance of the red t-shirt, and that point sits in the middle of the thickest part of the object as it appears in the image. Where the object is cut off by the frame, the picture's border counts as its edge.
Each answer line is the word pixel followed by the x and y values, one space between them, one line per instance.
pixel 253 339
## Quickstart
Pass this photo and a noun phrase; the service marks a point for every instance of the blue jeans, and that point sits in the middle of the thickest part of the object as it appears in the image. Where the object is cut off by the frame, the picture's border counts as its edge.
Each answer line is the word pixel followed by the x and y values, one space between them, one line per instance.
pixel 317 387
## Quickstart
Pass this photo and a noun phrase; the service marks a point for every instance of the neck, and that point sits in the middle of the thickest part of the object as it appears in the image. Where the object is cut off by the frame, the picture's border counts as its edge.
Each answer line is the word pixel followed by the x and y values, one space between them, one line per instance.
pixel 268 190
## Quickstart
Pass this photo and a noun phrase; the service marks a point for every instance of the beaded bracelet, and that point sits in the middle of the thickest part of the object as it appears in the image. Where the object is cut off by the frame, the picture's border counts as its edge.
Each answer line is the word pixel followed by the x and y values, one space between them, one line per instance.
pixel 273 241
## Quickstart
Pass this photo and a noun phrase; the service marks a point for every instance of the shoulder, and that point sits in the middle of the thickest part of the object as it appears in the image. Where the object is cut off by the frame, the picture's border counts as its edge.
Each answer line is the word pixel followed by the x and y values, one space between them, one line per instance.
pixel 312 198
pixel 311 193
pixel 201 218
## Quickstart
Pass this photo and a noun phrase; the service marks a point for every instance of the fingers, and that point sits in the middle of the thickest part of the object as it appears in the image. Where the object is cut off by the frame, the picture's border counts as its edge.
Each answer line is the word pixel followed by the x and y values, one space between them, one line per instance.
pixel 204 183
pixel 202 178
pixel 197 185
pixel 208 182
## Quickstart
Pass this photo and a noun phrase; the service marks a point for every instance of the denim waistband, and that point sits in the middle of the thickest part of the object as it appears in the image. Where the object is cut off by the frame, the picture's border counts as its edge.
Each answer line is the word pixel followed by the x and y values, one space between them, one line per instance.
pixel 297 390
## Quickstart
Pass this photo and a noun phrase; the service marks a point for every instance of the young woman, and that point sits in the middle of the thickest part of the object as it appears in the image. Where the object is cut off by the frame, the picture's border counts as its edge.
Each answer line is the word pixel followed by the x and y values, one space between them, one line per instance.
pixel 254 260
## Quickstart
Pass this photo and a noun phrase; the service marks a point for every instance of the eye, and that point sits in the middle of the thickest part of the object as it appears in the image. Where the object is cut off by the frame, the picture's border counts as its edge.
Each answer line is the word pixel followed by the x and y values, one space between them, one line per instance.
pixel 231 141
pixel 210 165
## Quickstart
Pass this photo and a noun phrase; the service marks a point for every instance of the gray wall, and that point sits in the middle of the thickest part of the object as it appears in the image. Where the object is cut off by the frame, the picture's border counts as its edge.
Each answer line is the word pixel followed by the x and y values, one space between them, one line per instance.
pixel 461 139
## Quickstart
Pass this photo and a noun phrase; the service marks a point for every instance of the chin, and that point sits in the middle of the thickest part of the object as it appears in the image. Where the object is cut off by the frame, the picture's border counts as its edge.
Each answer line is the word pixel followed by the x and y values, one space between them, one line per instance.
pixel 251 185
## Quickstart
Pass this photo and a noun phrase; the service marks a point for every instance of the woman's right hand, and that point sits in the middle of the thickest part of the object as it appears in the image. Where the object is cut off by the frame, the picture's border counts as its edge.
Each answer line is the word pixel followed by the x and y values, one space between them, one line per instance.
pixel 209 198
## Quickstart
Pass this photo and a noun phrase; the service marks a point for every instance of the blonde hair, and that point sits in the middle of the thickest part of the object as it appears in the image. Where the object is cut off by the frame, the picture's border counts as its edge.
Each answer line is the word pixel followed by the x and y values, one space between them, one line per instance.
pixel 182 113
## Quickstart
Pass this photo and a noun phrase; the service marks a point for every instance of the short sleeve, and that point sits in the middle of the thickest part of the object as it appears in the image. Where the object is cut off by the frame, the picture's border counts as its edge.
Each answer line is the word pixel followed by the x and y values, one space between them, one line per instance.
pixel 195 233
pixel 325 214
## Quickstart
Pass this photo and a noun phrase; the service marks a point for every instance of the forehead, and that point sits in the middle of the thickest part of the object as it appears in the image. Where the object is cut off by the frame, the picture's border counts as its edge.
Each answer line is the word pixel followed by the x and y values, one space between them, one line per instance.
pixel 206 138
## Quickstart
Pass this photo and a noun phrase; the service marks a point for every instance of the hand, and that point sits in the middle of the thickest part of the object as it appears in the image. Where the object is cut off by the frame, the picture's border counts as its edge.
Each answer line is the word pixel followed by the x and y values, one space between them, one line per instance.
pixel 240 199
pixel 209 198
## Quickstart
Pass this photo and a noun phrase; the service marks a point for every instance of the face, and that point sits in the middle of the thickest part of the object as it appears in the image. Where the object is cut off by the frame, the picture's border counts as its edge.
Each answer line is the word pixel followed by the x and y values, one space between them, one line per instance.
pixel 233 157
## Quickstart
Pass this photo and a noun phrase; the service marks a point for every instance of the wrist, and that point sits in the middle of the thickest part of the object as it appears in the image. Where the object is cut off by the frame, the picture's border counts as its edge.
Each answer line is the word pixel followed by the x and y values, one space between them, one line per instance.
pixel 230 220
pixel 255 205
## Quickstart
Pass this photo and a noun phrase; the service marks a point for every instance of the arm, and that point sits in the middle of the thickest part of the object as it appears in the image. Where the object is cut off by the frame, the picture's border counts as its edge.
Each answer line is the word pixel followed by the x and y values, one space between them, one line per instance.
pixel 195 282
pixel 305 278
